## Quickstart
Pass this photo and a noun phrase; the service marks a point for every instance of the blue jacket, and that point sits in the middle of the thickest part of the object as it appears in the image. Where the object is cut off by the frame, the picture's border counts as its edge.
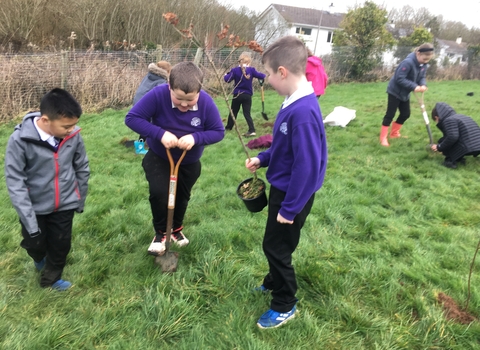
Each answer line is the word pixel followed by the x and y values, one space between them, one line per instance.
pixel 408 75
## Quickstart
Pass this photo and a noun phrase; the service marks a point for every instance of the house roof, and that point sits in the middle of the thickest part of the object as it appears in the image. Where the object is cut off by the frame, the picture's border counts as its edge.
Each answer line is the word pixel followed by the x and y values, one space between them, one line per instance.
pixel 309 17
pixel 453 47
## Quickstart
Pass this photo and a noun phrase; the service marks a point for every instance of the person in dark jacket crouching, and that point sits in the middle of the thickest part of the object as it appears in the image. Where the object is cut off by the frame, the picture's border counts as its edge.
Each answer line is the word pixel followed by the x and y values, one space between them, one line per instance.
pixel 461 135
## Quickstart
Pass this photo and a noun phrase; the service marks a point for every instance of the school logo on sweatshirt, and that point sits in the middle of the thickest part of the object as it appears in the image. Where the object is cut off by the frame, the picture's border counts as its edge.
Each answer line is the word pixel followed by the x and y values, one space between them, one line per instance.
pixel 283 128
pixel 196 121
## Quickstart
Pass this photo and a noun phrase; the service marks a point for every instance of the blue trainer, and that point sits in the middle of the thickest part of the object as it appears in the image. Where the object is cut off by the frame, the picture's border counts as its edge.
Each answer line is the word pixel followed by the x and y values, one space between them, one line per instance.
pixel 274 319
pixel 41 264
pixel 262 289
pixel 61 285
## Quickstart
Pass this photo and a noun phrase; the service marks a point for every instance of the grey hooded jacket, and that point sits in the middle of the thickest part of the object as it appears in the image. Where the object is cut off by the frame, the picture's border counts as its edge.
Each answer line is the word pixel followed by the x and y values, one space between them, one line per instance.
pixel 40 180
pixel 408 75
pixel 155 76
pixel 461 134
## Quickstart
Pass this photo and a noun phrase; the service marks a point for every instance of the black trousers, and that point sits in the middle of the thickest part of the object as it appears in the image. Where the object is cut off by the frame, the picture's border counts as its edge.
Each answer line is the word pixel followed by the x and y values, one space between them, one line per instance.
pixel 53 243
pixel 245 101
pixel 157 172
pixel 279 243
pixel 394 104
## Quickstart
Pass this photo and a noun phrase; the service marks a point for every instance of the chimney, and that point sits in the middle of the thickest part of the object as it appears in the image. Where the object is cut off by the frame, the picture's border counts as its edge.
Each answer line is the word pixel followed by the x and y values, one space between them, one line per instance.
pixel 459 40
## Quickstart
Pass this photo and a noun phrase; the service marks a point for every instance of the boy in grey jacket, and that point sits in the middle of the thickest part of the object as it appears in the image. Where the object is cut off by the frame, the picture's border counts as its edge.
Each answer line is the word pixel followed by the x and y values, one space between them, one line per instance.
pixel 46 170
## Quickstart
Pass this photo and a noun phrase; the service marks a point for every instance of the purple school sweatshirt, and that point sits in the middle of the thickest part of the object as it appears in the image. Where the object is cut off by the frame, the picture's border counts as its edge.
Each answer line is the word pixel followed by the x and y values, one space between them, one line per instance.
pixel 242 84
pixel 297 158
pixel 154 114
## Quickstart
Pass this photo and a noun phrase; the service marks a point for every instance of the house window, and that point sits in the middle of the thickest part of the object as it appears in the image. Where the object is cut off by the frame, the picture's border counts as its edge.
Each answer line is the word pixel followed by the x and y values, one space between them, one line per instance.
pixel 303 31
pixel 330 37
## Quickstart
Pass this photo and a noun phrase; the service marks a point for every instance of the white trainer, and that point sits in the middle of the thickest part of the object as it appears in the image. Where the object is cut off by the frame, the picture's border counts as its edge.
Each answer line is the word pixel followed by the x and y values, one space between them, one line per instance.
pixel 179 239
pixel 157 247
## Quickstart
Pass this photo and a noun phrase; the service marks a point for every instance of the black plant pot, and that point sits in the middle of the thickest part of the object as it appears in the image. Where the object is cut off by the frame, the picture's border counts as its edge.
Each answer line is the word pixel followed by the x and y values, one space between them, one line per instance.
pixel 257 203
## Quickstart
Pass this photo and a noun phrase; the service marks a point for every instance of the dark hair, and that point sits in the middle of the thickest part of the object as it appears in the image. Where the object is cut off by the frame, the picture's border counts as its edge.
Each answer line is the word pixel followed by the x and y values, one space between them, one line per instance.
pixel 187 77
pixel 58 103
pixel 434 113
pixel 289 52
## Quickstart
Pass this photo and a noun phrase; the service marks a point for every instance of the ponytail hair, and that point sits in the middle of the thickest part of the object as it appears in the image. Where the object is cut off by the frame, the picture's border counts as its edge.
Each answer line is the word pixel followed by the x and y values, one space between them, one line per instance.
pixel 244 60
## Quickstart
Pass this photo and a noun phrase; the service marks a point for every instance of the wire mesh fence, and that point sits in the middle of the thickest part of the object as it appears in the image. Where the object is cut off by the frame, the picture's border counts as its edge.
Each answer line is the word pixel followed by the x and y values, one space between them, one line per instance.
pixel 98 80
pixel 109 79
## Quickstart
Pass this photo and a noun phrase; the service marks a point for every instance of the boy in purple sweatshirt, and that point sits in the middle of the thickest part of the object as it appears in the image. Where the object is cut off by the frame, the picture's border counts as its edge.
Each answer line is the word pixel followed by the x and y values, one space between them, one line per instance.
pixel 297 161
pixel 177 116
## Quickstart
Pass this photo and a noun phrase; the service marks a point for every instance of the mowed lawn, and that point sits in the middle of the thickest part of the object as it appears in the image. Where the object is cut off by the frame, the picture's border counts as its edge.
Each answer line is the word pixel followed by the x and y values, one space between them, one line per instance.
pixel 390 230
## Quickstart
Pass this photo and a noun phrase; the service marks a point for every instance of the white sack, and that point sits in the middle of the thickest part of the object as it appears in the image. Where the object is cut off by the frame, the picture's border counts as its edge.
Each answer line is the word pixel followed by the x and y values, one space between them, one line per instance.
pixel 340 116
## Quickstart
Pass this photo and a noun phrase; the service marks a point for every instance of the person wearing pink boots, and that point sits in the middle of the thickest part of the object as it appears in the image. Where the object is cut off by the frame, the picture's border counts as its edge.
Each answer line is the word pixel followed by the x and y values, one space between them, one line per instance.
pixel 409 76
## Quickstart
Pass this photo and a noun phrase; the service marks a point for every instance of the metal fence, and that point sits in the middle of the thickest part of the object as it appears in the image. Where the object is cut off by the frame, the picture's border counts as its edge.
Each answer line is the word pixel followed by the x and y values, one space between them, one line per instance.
pixel 98 80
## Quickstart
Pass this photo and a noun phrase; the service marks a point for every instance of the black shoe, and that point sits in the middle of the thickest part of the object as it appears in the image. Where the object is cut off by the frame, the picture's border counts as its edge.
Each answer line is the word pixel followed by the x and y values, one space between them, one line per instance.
pixel 449 164
pixel 228 129
pixel 462 161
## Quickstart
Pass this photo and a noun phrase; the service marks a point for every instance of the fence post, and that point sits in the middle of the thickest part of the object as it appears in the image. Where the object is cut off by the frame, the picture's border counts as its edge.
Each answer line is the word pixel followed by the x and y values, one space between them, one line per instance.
pixel 64 70
pixel 198 56
pixel 158 53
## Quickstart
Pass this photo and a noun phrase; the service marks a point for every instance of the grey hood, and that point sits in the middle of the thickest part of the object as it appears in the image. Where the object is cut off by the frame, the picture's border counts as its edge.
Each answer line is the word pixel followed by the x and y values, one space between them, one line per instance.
pixel 154 69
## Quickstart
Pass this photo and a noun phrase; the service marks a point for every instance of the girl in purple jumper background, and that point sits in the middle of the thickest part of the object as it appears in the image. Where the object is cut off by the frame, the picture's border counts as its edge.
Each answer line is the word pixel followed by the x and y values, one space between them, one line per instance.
pixel 242 93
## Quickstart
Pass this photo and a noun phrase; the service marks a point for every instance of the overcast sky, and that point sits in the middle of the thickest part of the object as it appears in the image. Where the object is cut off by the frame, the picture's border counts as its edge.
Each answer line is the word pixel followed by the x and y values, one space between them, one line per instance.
pixel 465 11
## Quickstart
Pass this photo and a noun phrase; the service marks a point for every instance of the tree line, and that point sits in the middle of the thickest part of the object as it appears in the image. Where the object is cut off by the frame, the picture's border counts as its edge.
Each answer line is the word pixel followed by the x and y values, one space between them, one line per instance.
pixel 138 24
pixel 111 24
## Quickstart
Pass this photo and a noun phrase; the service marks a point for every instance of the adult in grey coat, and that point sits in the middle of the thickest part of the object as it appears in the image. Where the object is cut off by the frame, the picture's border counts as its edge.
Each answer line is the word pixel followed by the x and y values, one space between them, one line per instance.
pixel 461 135
pixel 157 75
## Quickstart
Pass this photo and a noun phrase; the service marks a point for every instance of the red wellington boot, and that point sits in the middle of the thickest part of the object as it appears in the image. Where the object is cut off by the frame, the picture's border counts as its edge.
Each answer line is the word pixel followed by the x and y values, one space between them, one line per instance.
pixel 383 136
pixel 395 130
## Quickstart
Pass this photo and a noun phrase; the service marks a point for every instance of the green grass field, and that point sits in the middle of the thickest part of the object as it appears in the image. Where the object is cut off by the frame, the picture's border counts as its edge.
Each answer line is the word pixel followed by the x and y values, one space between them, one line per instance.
pixel 390 229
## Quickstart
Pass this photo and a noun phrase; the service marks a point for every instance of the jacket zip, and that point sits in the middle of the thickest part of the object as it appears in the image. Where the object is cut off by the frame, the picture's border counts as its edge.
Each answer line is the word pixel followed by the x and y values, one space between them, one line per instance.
pixel 57 171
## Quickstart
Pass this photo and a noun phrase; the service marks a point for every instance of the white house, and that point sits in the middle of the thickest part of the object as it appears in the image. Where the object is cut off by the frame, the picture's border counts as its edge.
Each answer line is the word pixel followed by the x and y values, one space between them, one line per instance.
pixel 314 27
pixel 453 51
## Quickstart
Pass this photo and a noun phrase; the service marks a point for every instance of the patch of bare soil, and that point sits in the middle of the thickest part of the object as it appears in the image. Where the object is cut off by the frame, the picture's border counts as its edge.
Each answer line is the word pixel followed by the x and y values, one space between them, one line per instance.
pixel 268 125
pixel 452 311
